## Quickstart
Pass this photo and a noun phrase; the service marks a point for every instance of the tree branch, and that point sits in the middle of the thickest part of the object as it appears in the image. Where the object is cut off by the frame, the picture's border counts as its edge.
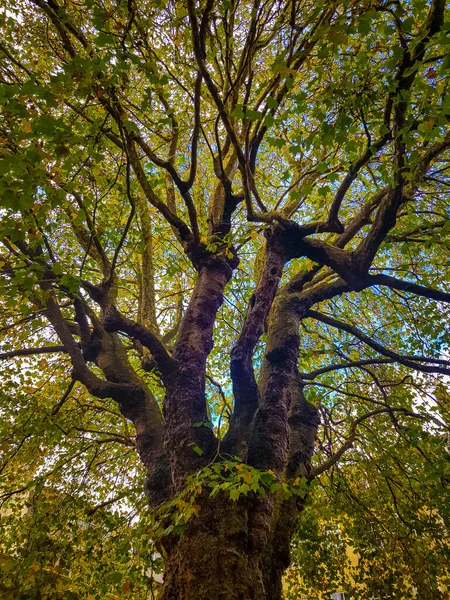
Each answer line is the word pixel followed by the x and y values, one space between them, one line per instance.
pixel 245 388
pixel 33 351
pixel 347 365
pixel 170 217
pixel 407 361
pixel 114 321
pixel 406 286
pixel 352 436
pixel 333 215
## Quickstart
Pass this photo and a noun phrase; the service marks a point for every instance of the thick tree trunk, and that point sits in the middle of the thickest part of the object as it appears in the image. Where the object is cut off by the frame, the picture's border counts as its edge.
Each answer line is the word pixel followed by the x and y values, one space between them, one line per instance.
pixel 220 557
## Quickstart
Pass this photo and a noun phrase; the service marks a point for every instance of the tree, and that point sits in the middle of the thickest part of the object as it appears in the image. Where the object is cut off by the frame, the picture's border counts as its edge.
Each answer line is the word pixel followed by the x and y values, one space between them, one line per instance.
pixel 379 526
pixel 158 157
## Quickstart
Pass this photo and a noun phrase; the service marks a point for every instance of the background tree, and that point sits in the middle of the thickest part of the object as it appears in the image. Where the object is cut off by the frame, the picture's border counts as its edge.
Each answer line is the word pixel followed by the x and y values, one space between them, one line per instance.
pixel 377 526
pixel 157 158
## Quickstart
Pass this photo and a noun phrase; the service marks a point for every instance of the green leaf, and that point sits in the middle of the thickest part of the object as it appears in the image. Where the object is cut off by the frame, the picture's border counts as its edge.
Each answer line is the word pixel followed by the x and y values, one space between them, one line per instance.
pixel 238 112
pixel 253 115
pixel 324 190
pixel 115 577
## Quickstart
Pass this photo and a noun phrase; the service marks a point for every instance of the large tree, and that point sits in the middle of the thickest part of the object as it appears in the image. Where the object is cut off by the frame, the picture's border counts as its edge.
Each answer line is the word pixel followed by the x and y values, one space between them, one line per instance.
pixel 290 157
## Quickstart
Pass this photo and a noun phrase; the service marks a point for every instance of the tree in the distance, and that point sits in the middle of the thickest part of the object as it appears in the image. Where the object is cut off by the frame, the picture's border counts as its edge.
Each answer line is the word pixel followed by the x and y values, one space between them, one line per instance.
pixel 378 524
pixel 159 157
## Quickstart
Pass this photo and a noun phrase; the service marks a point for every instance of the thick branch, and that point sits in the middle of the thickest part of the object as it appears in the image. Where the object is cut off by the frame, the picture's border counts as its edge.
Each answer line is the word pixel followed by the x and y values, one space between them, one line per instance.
pixel 245 388
pixel 325 254
pixel 407 286
pixel 185 404
pixel 304 421
pixel 147 307
pixel 114 321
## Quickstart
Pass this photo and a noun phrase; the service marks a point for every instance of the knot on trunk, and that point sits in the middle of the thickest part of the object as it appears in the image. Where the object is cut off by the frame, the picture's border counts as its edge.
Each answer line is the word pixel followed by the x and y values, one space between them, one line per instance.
pixel 131 400
pixel 92 349
pixel 111 319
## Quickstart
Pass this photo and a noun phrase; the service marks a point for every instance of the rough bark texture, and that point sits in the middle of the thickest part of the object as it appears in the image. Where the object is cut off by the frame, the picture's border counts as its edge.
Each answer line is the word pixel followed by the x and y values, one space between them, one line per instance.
pixel 217 558
pixel 185 407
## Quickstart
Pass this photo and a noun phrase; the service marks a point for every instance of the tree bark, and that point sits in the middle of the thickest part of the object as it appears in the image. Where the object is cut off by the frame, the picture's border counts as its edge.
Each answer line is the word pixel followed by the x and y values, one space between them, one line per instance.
pixel 221 555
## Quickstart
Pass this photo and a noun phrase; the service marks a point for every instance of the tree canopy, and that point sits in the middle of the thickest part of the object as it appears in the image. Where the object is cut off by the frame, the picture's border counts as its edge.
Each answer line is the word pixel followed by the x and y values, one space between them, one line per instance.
pixel 224 268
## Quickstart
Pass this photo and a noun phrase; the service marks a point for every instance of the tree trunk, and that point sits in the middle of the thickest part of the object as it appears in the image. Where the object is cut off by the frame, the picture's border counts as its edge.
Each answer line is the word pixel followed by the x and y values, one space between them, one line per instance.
pixel 220 557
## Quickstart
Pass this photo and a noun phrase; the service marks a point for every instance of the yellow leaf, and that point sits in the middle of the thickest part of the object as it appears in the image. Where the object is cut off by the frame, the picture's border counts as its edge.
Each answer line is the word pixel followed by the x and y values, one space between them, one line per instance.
pixel 178 38
pixel 248 477
pixel 127 586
